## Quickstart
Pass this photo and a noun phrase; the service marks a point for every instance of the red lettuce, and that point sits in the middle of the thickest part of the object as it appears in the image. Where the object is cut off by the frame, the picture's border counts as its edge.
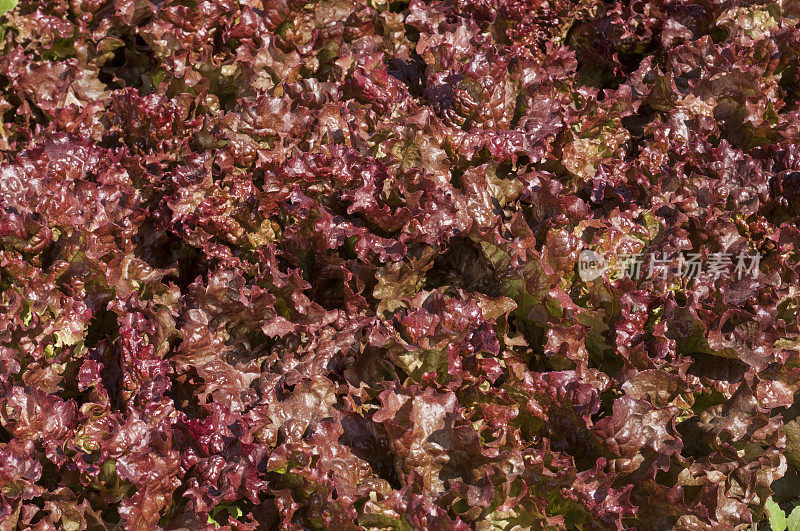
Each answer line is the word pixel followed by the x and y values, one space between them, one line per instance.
pixel 280 264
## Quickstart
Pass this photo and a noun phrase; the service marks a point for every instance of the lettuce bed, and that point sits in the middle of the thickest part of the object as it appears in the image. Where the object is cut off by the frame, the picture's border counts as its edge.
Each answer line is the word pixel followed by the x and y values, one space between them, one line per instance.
pixel 273 263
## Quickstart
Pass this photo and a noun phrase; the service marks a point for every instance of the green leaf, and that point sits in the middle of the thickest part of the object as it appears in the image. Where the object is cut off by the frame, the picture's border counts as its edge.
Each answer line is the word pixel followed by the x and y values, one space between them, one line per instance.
pixel 27 314
pixel 216 515
pixel 794 519
pixel 7 5
pixel 777 518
